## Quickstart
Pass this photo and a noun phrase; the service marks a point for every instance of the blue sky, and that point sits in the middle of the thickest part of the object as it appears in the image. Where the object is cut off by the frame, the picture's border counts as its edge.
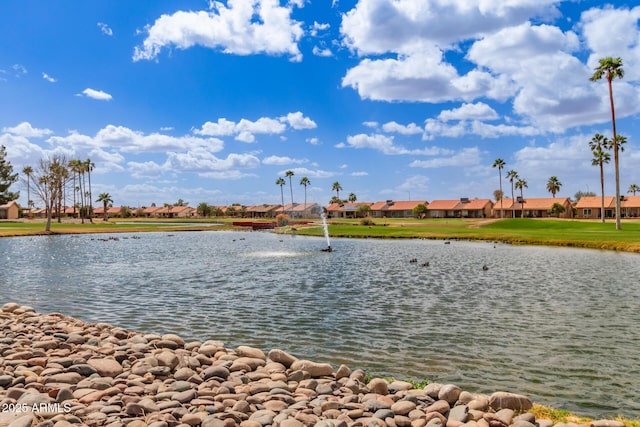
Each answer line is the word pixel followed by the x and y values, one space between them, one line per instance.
pixel 394 99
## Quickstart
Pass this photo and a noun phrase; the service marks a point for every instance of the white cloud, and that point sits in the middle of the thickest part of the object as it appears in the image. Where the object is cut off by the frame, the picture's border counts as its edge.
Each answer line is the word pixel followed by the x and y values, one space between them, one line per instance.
pixel 394 127
pixel 245 130
pixel 362 173
pixel 19 70
pixel 313 141
pixel 48 78
pixel 282 160
pixel 241 28
pixel 298 121
pixel 322 51
pixel 105 29
pixel 200 160
pixel 384 144
pixel 96 94
pixel 478 111
pixel 25 130
pixel 465 157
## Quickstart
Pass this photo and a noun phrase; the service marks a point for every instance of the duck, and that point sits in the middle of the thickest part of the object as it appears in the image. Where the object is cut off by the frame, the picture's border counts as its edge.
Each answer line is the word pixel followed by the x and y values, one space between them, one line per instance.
pixel 485 267
pixel 425 264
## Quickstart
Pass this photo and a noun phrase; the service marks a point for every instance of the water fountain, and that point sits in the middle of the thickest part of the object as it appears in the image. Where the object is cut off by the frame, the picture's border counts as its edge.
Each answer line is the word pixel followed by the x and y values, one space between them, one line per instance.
pixel 326 231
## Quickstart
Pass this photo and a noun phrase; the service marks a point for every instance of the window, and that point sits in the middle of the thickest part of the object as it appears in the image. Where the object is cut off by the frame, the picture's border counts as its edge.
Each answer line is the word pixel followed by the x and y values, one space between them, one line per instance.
pixel 586 212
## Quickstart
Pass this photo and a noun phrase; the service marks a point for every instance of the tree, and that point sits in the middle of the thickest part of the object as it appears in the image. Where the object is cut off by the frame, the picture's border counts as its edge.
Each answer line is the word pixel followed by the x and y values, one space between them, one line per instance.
pixel 281 182
pixel 553 185
pixel 513 176
pixel 106 199
pixel 290 175
pixel 305 181
pixel 363 210
pixel 611 68
pixel 499 163
pixel 598 145
pixel 498 195
pixel 28 171
pixel 204 209
pixel 77 169
pixel 334 199
pixel 352 197
pixel 633 188
pixel 48 181
pixel 520 185
pixel 557 209
pixel 89 166
pixel 420 211
pixel 7 177
pixel 337 188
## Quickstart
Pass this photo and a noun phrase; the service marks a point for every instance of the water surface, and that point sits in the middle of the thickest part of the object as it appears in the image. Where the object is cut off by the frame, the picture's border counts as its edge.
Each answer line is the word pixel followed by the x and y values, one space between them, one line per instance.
pixel 558 325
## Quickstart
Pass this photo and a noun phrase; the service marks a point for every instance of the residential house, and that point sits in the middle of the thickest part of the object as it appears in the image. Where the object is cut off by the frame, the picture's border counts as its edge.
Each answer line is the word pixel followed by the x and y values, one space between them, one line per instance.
pixel 462 208
pixel 395 209
pixel 630 207
pixel 533 208
pixel 176 212
pixel 346 210
pixel 151 211
pixel 263 211
pixel 589 207
pixel 300 210
pixel 113 211
pixel 10 210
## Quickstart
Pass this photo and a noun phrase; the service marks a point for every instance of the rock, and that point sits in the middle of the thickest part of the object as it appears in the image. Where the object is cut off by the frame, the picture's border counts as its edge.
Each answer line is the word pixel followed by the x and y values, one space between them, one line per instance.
pixel 10 307
pixel 24 421
pixel 450 393
pixel 607 423
pixel 440 406
pixel 313 368
pixel 403 407
pixel 379 386
pixel 251 352
pixel 503 400
pixel 175 338
pixel 106 367
pixel 459 413
pixel 215 371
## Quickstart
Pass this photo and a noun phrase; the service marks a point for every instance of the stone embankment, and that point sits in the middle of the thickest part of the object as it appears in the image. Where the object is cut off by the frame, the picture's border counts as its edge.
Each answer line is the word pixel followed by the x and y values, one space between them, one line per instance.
pixel 57 371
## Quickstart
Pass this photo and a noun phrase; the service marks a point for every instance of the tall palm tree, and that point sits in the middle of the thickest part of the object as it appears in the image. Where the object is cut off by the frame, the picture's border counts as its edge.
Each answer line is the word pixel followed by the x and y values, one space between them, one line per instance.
pixel 520 185
pixel 598 145
pixel 28 171
pixel 290 175
pixel 633 188
pixel 305 181
pixel 352 197
pixel 74 170
pixel 611 68
pixel 337 188
pixel 89 166
pixel 553 185
pixel 499 163
pixel 105 198
pixel 281 182
pixel 513 176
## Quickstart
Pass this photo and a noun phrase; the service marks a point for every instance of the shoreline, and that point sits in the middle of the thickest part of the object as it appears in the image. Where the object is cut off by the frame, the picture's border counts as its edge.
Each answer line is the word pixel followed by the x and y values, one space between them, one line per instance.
pixel 525 232
pixel 56 370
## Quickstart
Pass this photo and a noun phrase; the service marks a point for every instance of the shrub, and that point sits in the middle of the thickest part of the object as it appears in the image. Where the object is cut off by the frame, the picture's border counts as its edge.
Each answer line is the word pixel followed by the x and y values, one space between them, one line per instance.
pixel 367 221
pixel 282 220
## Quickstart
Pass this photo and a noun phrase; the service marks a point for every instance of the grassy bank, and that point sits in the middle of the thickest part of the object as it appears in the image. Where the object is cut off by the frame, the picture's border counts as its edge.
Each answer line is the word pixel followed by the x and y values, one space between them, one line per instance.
pixel 585 234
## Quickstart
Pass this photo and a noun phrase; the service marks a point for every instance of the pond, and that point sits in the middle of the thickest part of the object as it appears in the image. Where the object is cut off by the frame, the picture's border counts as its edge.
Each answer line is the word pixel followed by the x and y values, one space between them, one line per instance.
pixel 556 324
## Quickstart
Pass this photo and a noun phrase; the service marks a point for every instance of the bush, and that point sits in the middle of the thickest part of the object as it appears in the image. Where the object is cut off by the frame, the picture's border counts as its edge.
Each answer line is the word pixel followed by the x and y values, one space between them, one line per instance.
pixel 282 220
pixel 367 221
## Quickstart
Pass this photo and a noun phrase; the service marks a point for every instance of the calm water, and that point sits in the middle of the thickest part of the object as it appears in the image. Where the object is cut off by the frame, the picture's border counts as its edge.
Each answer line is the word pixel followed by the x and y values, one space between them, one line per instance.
pixel 561 326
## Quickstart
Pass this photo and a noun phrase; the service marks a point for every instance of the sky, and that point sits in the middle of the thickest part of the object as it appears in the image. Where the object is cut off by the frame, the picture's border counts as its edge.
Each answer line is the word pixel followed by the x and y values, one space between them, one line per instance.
pixel 213 101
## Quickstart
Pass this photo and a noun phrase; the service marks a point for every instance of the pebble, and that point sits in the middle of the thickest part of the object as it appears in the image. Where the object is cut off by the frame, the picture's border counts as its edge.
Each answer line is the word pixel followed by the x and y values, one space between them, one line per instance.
pixel 95 374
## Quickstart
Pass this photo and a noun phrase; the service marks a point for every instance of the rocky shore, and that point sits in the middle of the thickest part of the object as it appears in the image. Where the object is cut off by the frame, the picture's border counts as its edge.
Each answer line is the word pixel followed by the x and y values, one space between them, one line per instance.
pixel 57 371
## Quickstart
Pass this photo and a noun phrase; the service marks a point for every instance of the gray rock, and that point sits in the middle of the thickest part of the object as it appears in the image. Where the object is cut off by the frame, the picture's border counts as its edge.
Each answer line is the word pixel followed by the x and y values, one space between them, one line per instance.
pixel 383 414
pixel 503 400
pixel 459 413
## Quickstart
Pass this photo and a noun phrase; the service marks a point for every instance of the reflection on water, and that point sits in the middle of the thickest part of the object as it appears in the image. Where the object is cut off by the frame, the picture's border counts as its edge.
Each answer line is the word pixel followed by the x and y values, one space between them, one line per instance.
pixel 559 325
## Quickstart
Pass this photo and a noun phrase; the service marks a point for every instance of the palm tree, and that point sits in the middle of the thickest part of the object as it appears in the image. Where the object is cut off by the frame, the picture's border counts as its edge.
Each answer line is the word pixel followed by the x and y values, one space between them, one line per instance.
pixel 105 198
pixel 337 188
pixel 499 163
pixel 498 195
pixel 28 171
pixel 633 188
pixel 520 185
pixel 352 197
pixel 89 166
pixel 598 145
pixel 305 181
pixel 75 166
pixel 290 175
pixel 281 182
pixel 611 68
pixel 513 176
pixel 553 185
